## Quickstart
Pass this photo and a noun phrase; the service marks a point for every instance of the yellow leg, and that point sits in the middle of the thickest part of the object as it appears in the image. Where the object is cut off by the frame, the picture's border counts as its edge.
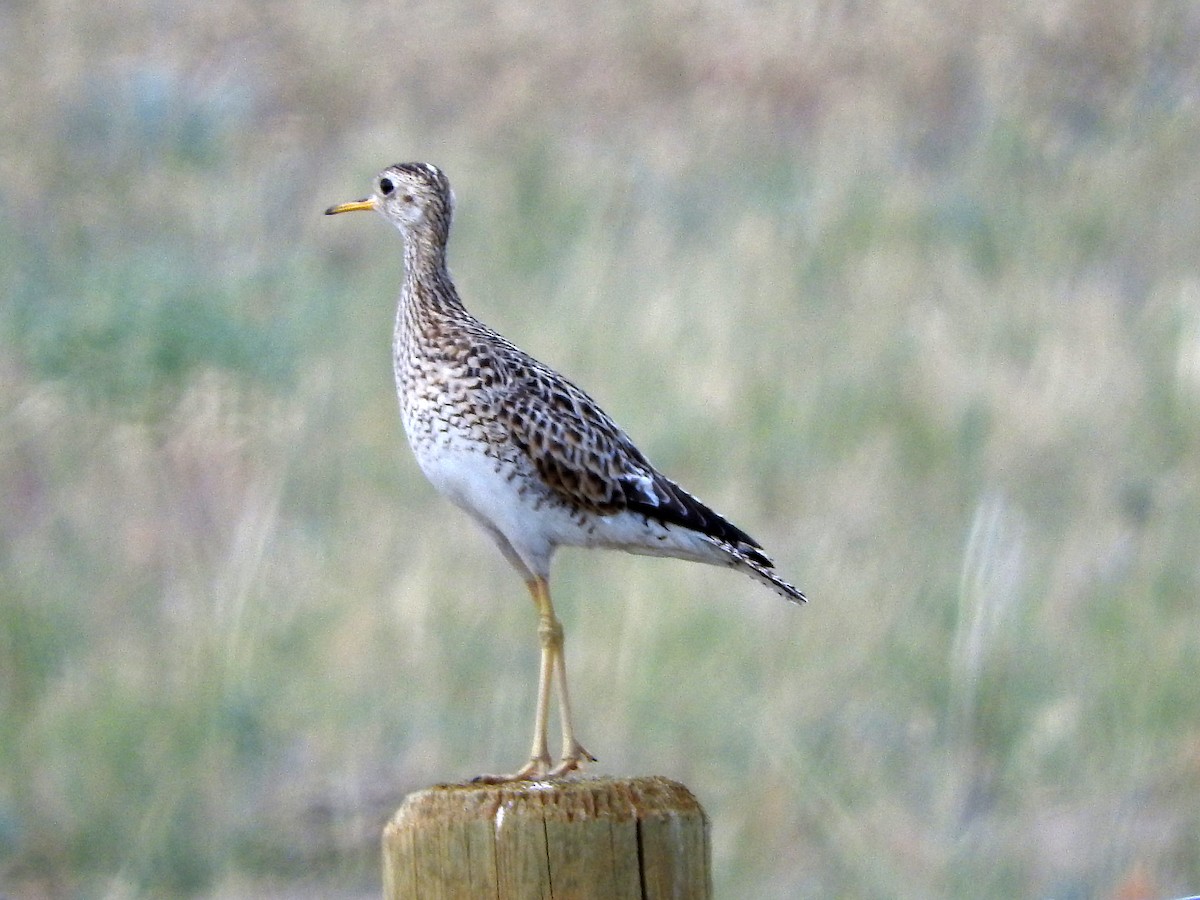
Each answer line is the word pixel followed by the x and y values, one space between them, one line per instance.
pixel 553 667
pixel 539 753
pixel 551 633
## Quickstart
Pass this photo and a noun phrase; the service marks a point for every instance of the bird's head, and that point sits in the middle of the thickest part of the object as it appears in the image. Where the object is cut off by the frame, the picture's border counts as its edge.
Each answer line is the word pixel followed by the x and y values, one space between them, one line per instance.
pixel 415 197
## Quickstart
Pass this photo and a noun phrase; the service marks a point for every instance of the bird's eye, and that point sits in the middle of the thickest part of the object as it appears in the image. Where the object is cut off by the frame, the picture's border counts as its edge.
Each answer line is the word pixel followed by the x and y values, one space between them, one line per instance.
pixel 386 186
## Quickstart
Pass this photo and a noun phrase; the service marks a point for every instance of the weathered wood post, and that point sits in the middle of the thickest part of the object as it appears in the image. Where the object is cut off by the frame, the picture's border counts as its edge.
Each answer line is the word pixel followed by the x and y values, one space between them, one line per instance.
pixel 576 839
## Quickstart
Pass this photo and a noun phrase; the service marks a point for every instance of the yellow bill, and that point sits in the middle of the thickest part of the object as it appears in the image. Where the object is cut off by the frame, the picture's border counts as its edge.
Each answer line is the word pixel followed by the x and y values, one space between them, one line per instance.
pixel 353 206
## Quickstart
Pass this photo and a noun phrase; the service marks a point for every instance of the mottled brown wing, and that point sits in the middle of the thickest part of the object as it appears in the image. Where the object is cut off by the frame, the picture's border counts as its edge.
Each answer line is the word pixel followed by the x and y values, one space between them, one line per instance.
pixel 585 458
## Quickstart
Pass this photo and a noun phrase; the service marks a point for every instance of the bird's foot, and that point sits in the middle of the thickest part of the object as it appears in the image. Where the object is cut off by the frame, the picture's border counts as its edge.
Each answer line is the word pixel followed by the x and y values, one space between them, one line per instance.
pixel 538 768
pixel 572 760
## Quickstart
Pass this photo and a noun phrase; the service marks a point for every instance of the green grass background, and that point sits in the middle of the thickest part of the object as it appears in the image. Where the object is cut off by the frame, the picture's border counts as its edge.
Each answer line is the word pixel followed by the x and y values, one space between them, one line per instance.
pixel 911 291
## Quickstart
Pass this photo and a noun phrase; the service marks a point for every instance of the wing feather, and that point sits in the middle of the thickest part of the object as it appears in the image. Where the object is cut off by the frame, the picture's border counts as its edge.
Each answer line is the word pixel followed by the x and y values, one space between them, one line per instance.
pixel 587 460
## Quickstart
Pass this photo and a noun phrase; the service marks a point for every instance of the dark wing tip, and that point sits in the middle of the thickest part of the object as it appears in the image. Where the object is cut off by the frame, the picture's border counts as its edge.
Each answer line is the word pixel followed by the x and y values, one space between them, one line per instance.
pixel 658 497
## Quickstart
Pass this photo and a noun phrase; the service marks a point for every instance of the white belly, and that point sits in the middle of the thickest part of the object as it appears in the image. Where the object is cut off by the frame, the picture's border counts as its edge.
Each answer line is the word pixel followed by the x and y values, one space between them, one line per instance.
pixel 519 512
pixel 511 506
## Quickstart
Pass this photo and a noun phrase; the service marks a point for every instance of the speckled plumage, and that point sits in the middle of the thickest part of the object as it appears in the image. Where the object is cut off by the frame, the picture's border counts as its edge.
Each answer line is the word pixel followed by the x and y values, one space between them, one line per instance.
pixel 531 457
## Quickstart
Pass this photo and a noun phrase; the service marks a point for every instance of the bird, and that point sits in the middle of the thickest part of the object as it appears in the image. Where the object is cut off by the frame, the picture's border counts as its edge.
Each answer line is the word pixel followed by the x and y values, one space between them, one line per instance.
pixel 527 454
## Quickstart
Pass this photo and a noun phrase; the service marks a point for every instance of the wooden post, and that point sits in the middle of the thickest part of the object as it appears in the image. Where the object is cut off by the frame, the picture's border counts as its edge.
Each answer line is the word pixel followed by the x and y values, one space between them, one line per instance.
pixel 576 839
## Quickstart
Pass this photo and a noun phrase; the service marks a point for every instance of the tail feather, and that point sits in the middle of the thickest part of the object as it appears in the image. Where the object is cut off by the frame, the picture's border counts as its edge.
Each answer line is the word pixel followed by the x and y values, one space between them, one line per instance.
pixel 655 496
pixel 751 561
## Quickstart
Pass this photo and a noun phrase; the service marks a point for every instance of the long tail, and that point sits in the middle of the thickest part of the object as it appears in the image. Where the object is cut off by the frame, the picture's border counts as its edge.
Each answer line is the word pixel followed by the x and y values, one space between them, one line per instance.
pixel 759 567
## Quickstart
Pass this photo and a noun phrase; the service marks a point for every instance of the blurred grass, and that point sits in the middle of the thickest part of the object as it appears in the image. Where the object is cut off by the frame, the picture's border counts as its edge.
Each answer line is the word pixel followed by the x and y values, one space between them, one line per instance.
pixel 908 290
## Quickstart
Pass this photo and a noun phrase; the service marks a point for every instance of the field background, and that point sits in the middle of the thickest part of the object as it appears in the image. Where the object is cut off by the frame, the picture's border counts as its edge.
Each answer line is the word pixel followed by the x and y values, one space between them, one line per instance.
pixel 910 290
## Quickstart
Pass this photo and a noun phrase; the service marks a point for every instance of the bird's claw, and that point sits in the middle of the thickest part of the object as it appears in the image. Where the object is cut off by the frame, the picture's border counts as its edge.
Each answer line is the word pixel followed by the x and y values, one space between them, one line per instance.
pixel 571 762
pixel 538 768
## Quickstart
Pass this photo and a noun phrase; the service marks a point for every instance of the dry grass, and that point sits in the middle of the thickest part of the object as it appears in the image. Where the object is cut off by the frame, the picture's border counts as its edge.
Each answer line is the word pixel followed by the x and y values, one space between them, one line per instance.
pixel 909 290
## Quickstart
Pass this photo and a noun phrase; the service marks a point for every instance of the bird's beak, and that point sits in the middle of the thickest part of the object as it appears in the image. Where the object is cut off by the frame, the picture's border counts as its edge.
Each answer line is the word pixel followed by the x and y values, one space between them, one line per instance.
pixel 353 206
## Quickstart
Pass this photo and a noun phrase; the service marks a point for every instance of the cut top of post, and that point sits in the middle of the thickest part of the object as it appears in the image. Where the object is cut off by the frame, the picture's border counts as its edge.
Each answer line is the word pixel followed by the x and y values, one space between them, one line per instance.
pixel 636 838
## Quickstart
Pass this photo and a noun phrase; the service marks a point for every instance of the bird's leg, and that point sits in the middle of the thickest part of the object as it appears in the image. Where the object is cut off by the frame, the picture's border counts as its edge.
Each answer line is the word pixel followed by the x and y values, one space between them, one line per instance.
pixel 539 753
pixel 573 754
pixel 553 666
pixel 551 633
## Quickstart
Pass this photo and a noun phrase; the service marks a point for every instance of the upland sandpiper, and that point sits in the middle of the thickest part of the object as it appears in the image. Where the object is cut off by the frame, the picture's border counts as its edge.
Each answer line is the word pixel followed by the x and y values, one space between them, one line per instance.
pixel 527 454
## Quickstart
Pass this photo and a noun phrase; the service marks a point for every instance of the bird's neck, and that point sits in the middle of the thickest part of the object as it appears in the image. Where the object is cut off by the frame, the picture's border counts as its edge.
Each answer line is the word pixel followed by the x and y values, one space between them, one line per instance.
pixel 428 298
pixel 425 257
